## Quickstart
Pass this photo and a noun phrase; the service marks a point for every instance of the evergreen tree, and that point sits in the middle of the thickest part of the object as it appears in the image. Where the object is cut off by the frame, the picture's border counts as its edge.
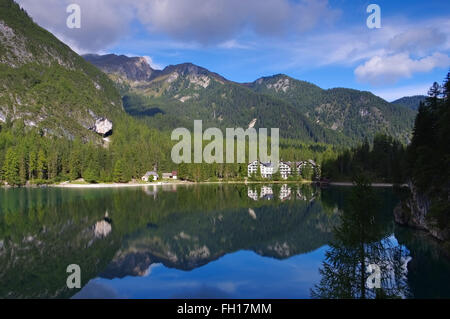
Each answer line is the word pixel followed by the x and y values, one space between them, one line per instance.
pixel 75 165
pixel 119 172
pixel 307 172
pixel 91 173
pixel 11 168
pixel 277 176
pixel 32 165
pixel 42 165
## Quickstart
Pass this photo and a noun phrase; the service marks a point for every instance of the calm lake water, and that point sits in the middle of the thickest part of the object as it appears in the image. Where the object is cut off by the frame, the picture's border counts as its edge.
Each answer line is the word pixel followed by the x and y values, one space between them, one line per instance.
pixel 213 241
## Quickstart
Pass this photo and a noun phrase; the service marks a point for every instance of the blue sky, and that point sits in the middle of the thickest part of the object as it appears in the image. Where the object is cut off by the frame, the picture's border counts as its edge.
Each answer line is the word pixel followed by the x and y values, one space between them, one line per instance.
pixel 324 42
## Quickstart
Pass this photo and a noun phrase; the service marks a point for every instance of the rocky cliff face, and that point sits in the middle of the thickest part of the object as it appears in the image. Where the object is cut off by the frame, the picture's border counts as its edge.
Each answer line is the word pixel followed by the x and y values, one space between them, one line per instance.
pixel 132 68
pixel 413 212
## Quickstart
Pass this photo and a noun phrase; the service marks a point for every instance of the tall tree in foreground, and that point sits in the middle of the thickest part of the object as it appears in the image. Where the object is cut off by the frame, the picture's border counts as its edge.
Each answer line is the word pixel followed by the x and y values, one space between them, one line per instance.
pixel 428 205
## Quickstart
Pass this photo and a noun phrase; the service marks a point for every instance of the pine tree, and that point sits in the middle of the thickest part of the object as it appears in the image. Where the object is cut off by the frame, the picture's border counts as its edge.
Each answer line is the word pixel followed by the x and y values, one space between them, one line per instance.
pixel 42 165
pixel 119 174
pixel 32 166
pixel 91 174
pixel 11 168
pixel 23 170
pixel 75 165
pixel 307 172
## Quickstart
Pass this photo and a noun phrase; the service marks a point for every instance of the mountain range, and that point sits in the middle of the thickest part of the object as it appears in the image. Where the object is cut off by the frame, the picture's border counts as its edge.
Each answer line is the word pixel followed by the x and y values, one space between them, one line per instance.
pixel 48 87
pixel 411 102
pixel 178 94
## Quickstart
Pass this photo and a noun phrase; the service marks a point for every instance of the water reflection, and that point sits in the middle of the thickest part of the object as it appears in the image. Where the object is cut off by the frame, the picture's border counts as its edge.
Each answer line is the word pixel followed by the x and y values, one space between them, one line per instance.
pixel 284 192
pixel 361 245
pixel 215 237
pixel 103 228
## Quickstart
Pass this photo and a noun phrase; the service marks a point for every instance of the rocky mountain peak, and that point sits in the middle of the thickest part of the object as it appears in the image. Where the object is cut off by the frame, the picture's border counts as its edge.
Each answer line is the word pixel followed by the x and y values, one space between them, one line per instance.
pixel 133 68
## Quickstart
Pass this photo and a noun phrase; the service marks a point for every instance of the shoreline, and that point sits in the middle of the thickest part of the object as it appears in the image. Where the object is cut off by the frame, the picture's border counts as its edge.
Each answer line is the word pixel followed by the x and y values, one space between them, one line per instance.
pixel 348 184
pixel 127 185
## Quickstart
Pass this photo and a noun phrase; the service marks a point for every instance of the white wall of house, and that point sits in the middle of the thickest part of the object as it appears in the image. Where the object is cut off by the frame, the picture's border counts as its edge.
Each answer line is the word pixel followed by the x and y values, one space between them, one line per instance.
pixel 266 170
pixel 252 168
pixel 285 170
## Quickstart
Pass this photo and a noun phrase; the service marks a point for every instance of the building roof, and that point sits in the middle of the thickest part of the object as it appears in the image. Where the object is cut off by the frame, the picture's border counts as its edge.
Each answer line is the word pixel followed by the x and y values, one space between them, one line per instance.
pixel 312 162
pixel 306 162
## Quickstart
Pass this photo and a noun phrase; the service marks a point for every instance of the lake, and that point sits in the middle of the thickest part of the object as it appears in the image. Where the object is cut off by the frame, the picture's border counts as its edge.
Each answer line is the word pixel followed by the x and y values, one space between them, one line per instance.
pixel 214 241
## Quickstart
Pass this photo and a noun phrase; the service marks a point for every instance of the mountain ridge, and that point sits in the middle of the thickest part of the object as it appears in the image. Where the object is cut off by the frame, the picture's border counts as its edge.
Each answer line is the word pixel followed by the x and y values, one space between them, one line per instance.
pixel 183 92
pixel 411 102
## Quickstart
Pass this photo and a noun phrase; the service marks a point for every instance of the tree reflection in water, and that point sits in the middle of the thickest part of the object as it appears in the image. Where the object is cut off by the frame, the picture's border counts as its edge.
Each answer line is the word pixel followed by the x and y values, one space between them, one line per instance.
pixel 359 241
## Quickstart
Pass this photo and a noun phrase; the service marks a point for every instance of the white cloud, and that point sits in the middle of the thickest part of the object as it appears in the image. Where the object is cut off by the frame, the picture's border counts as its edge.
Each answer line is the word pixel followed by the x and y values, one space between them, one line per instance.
pixel 391 68
pixel 398 50
pixel 216 21
pixel 418 40
pixel 233 44
pixel 104 22
pixel 154 65
pixel 149 59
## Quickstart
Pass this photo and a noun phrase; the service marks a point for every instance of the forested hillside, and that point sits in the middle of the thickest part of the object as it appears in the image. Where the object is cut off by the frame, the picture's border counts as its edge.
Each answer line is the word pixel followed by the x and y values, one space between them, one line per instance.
pixel 357 115
pixel 411 102
pixel 46 85
pixel 181 93
pixel 50 100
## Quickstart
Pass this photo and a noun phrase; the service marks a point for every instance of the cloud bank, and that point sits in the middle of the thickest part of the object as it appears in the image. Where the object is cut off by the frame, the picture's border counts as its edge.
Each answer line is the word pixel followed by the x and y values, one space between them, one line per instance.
pixel 207 22
pixel 389 69
pixel 283 32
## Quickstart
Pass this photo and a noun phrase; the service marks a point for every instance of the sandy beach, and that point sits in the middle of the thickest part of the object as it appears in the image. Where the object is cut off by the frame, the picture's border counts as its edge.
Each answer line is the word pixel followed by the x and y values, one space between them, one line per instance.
pixel 119 185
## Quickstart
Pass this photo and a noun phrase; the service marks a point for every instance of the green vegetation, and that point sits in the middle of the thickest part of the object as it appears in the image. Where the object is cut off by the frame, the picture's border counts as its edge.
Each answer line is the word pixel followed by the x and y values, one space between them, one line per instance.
pixel 361 239
pixel 179 94
pixel 216 214
pixel 26 155
pixel 48 85
pixel 354 114
pixel 411 102
pixel 383 161
pixel 429 152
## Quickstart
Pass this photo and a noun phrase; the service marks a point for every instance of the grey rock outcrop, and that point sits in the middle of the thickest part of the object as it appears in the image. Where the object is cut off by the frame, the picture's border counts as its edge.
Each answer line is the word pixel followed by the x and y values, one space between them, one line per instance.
pixel 103 126
pixel 413 212
pixel 133 68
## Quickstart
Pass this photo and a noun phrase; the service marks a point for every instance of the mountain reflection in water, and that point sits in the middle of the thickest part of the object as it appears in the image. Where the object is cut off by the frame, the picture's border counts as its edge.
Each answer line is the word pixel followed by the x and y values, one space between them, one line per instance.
pixel 230 241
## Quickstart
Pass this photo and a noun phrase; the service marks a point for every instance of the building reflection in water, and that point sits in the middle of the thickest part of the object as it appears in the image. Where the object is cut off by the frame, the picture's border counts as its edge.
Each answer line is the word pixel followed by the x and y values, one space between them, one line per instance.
pixel 285 192
pixel 266 193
